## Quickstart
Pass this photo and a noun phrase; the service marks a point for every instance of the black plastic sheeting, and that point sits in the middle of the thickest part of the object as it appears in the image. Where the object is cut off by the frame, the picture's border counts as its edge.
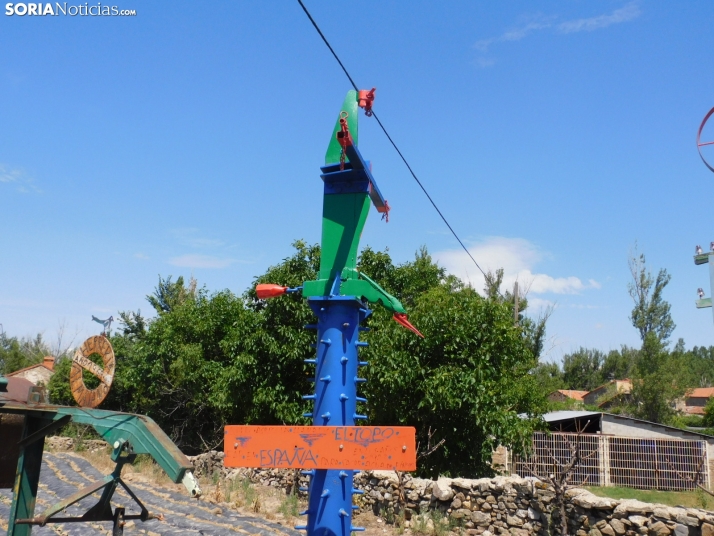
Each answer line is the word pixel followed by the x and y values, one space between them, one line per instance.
pixel 64 473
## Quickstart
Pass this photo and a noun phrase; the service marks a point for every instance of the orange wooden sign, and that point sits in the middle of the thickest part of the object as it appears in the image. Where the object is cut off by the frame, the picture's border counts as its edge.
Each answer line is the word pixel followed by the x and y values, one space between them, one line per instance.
pixel 321 447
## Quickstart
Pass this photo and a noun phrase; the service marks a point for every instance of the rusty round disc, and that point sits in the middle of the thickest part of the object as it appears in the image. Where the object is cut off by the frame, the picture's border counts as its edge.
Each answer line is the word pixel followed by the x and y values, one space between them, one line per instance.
pixel 91 398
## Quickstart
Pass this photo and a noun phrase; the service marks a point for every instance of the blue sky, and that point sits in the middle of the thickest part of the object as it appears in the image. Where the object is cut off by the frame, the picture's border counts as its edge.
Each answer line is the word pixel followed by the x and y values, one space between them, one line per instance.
pixel 188 139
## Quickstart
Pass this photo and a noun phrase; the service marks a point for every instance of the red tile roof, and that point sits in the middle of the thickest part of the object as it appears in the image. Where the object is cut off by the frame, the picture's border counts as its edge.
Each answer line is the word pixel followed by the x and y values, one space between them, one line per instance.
pixel 572 393
pixel 701 392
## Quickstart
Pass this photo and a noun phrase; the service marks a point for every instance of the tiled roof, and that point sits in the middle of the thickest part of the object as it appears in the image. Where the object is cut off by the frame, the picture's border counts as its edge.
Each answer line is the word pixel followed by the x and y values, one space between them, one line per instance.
pixel 572 393
pixel 701 392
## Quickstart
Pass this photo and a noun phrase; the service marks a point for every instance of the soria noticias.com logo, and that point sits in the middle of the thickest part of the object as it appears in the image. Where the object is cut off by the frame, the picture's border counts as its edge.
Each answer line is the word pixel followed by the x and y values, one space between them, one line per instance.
pixel 63 8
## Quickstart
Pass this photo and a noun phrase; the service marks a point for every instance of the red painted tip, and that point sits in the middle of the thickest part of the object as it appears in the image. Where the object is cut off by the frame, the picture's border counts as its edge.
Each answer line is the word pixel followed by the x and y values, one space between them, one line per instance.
pixel 269 290
pixel 401 319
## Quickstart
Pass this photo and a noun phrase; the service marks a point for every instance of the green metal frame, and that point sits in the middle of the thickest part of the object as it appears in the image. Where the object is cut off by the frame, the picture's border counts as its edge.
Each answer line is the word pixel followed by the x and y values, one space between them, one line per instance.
pixel 343 218
pixel 126 432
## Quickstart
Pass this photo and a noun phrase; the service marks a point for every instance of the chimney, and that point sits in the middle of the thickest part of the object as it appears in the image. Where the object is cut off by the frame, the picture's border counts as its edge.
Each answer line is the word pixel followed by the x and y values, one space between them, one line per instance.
pixel 49 362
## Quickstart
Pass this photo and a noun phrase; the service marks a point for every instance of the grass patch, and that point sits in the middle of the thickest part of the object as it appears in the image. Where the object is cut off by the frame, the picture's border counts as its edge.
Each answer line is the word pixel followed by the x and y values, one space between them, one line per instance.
pixel 690 499
pixel 289 506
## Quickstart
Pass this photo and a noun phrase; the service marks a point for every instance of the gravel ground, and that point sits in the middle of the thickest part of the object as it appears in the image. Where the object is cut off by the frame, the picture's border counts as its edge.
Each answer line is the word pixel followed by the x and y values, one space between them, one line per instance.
pixel 63 473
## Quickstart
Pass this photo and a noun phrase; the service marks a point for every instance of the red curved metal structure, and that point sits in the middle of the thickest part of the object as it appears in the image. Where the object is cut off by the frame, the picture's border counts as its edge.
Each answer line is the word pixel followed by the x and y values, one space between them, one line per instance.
pixel 699 142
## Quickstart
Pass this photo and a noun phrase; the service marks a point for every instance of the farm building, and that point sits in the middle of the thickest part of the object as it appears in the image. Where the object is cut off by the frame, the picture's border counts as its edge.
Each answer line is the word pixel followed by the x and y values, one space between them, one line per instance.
pixel 622 451
pixel 607 392
pixel 695 401
pixel 563 395
pixel 38 374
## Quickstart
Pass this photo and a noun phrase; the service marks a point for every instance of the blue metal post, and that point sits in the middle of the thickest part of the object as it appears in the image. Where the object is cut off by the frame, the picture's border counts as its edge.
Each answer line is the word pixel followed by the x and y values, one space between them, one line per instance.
pixel 329 511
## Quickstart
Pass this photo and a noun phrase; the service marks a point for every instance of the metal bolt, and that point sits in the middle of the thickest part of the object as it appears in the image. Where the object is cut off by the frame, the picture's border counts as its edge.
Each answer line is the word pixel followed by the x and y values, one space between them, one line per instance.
pixel 116 444
pixel 404 448
pixel 235 445
pixel 341 447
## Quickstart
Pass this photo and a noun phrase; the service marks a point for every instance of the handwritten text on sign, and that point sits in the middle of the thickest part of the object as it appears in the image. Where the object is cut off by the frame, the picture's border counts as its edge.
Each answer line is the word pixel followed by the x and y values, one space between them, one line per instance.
pixel 321 447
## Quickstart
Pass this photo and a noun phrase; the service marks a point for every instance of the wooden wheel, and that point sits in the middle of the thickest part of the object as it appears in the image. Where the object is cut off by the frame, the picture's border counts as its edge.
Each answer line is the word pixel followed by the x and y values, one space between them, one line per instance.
pixel 85 397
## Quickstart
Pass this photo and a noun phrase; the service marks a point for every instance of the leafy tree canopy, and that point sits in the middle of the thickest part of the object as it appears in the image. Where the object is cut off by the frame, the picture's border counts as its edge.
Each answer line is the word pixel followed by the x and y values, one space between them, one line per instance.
pixel 651 312
pixel 208 360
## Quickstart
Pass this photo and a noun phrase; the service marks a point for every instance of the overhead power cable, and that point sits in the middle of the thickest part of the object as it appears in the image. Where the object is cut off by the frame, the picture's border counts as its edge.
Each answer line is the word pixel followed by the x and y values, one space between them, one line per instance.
pixel 390 139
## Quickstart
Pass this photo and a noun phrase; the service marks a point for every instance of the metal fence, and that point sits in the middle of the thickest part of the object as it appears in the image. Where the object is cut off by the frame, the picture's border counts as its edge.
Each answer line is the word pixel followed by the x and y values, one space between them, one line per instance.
pixel 663 464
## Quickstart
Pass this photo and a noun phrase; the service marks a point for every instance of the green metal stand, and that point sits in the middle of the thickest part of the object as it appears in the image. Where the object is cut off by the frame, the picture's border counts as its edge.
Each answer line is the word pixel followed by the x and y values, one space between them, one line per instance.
pixel 102 511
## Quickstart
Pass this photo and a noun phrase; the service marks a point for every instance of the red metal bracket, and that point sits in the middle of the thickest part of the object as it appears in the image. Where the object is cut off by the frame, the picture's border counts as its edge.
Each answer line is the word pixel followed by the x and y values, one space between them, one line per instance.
pixel 365 99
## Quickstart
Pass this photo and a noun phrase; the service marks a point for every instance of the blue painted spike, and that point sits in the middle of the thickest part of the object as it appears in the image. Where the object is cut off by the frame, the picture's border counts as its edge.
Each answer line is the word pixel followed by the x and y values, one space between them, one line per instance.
pixel 362 363
pixel 308 397
pixel 357 416
pixel 310 361
pixel 302 488
pixel 361 343
pixel 344 397
pixel 325 493
pixel 310 326
pixel 343 513
pixel 360 380
pixel 326 342
pixel 309 472
pixel 344 360
pixel 326 415
pixel 304 513
pixel 343 474
pixel 308 415
pixel 356 529
pixel 300 527
pixel 357 492
pixel 326 379
pixel 360 399
pixel 355 507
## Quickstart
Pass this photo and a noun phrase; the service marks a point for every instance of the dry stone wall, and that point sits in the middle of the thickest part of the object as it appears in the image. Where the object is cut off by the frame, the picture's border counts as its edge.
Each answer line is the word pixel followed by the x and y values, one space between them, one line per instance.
pixel 491 506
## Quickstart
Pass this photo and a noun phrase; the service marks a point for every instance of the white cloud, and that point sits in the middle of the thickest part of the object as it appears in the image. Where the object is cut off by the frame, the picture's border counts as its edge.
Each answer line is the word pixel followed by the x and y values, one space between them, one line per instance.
pixel 624 14
pixel 518 258
pixel 201 261
pixel 516 34
pixel 190 236
pixel 22 182
pixel 540 22
pixel 141 256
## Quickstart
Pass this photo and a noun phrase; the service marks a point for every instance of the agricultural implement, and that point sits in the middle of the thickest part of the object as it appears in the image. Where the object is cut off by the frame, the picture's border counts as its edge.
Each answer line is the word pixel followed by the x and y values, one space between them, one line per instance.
pixel 332 448
pixel 26 419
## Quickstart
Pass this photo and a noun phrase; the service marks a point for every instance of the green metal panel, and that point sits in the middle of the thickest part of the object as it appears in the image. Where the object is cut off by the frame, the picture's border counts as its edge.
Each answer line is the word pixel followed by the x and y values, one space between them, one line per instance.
pixel 343 218
pixel 145 436
pixel 349 106
pixel 27 478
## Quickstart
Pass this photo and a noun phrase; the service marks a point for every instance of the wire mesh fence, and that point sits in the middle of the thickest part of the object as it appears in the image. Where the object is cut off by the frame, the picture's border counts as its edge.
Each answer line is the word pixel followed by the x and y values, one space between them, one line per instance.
pixel 663 464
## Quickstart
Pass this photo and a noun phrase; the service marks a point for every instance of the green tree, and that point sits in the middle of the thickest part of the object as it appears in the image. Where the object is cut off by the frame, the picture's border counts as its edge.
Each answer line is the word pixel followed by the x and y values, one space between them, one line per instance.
pixel 619 364
pixel 548 377
pixel 466 382
pixel 16 354
pixel 582 369
pixel 213 359
pixel 651 312
pixel 533 329
pixel 708 419
pixel 657 382
pixel 168 296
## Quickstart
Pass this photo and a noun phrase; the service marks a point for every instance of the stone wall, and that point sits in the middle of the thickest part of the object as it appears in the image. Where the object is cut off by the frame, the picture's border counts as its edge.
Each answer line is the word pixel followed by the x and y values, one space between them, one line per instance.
pixel 502 505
